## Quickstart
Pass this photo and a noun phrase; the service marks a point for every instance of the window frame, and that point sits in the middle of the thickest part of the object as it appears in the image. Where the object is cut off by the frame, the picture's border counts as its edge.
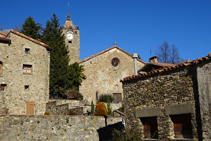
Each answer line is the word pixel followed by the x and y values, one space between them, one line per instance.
pixel 26 70
pixel 115 62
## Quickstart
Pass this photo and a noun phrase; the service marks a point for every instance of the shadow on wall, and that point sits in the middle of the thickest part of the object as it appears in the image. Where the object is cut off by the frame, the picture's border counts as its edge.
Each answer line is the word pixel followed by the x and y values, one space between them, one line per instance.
pixel 105 133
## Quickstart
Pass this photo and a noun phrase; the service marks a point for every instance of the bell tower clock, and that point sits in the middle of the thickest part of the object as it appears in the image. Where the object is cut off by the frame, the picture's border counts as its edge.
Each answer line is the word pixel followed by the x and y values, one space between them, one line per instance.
pixel 72 39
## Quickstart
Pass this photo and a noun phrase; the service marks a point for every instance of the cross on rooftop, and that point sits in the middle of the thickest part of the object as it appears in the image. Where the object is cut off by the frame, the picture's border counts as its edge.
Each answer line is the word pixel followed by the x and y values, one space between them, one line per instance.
pixel 115 43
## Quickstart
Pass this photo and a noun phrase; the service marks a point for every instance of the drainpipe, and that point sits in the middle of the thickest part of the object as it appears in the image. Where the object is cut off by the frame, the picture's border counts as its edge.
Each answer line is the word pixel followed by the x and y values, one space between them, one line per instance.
pixel 135 55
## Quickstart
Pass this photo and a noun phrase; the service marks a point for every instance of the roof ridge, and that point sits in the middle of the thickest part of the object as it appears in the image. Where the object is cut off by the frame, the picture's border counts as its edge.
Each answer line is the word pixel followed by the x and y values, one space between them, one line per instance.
pixel 29 38
pixel 185 64
pixel 3 33
pixel 99 53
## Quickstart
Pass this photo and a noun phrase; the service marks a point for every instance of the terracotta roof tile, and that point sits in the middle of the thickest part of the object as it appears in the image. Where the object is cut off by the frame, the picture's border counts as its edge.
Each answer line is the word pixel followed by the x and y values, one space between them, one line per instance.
pixel 174 67
pixel 163 64
pixel 3 33
pixel 29 38
pixel 4 38
pixel 97 54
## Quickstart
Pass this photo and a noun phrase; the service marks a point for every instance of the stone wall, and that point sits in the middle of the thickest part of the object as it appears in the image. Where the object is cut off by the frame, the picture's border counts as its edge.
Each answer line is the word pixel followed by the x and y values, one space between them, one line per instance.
pixel 204 89
pixel 103 77
pixel 57 128
pixel 13 57
pixel 160 96
pixel 68 107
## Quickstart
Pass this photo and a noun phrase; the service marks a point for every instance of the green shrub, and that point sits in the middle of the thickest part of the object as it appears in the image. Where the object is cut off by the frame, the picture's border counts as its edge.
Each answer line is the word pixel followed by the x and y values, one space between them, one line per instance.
pixel 126 135
pixel 92 109
pixel 46 113
pixel 100 109
pixel 109 109
pixel 72 94
pixel 105 97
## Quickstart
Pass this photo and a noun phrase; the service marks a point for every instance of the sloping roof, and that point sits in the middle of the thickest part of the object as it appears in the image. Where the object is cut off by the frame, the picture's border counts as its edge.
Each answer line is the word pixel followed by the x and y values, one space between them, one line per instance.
pixel 5 39
pixel 158 64
pixel 97 54
pixel 3 33
pixel 185 64
pixel 163 64
pixel 30 39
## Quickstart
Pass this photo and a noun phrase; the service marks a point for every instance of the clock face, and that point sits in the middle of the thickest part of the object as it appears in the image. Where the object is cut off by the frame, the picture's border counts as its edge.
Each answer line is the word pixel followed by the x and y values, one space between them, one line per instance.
pixel 69 36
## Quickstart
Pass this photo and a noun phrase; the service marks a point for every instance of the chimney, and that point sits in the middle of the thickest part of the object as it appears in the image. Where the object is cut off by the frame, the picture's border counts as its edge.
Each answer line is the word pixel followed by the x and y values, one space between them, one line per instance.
pixel 135 55
pixel 153 59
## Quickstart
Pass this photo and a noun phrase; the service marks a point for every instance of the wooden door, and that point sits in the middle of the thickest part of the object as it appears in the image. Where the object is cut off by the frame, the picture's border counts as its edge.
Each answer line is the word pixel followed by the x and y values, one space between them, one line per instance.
pixel 29 108
pixel 117 97
pixel 182 126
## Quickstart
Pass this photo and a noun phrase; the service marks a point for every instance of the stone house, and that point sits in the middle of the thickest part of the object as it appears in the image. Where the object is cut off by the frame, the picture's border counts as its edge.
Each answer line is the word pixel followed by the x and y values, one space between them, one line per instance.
pixel 104 70
pixel 24 74
pixel 172 102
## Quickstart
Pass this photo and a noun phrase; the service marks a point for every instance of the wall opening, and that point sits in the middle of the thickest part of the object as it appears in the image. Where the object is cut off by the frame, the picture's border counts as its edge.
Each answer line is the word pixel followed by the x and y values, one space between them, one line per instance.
pixel 150 127
pixel 182 126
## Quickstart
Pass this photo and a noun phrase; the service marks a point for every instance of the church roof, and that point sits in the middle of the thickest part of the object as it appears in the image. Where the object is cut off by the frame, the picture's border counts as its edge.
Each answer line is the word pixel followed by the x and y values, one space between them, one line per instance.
pixel 69 24
pixel 30 39
pixel 97 54
pixel 166 69
pixel 3 33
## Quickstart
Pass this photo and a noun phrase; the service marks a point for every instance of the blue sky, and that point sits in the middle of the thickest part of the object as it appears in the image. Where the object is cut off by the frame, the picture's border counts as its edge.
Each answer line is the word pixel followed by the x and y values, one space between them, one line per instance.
pixel 136 25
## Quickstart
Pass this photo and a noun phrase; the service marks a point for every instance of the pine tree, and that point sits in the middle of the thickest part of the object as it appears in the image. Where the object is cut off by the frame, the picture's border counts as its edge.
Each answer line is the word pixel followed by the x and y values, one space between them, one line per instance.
pixel 76 75
pixel 59 68
pixel 31 28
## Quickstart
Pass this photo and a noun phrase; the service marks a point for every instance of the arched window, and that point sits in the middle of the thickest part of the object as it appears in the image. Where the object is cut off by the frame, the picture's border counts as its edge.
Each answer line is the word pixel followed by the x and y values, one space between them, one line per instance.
pixel 1 68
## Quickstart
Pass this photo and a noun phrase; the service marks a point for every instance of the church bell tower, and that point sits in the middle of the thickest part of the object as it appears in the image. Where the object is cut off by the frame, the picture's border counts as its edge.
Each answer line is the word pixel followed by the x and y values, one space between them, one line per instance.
pixel 72 39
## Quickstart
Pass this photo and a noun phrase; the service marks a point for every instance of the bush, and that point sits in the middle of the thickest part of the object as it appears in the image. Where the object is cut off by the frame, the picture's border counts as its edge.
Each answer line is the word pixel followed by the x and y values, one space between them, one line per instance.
pixel 72 94
pixel 126 135
pixel 46 113
pixel 109 109
pixel 92 109
pixel 105 97
pixel 100 109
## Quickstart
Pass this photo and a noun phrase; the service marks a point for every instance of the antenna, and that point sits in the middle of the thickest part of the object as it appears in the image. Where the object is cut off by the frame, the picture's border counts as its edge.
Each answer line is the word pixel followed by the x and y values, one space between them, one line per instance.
pixel 68 14
pixel 150 52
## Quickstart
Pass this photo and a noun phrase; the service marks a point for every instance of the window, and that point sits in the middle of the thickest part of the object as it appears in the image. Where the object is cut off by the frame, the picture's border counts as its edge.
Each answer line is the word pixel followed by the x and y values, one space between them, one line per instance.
pixel 27 69
pixel 3 87
pixel 182 126
pixel 70 42
pixel 96 95
pixel 26 87
pixel 150 127
pixel 27 50
pixel 115 62
pixel 1 68
pixel 117 97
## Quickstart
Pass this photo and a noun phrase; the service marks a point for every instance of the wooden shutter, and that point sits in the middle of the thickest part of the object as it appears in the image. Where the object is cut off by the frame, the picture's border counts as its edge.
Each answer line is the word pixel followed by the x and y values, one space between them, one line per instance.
pixel 117 97
pixel 29 108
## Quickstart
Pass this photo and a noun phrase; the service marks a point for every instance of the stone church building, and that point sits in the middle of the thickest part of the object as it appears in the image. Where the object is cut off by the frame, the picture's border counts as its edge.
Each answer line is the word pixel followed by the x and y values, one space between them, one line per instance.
pixel 24 74
pixel 103 70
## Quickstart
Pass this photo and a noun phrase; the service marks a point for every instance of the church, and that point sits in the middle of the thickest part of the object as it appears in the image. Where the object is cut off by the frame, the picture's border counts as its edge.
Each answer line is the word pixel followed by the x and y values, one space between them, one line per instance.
pixel 103 70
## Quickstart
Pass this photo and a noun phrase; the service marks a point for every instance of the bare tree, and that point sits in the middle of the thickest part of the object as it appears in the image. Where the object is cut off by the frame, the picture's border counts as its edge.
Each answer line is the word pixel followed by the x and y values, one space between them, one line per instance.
pixel 2 27
pixel 18 27
pixel 168 54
